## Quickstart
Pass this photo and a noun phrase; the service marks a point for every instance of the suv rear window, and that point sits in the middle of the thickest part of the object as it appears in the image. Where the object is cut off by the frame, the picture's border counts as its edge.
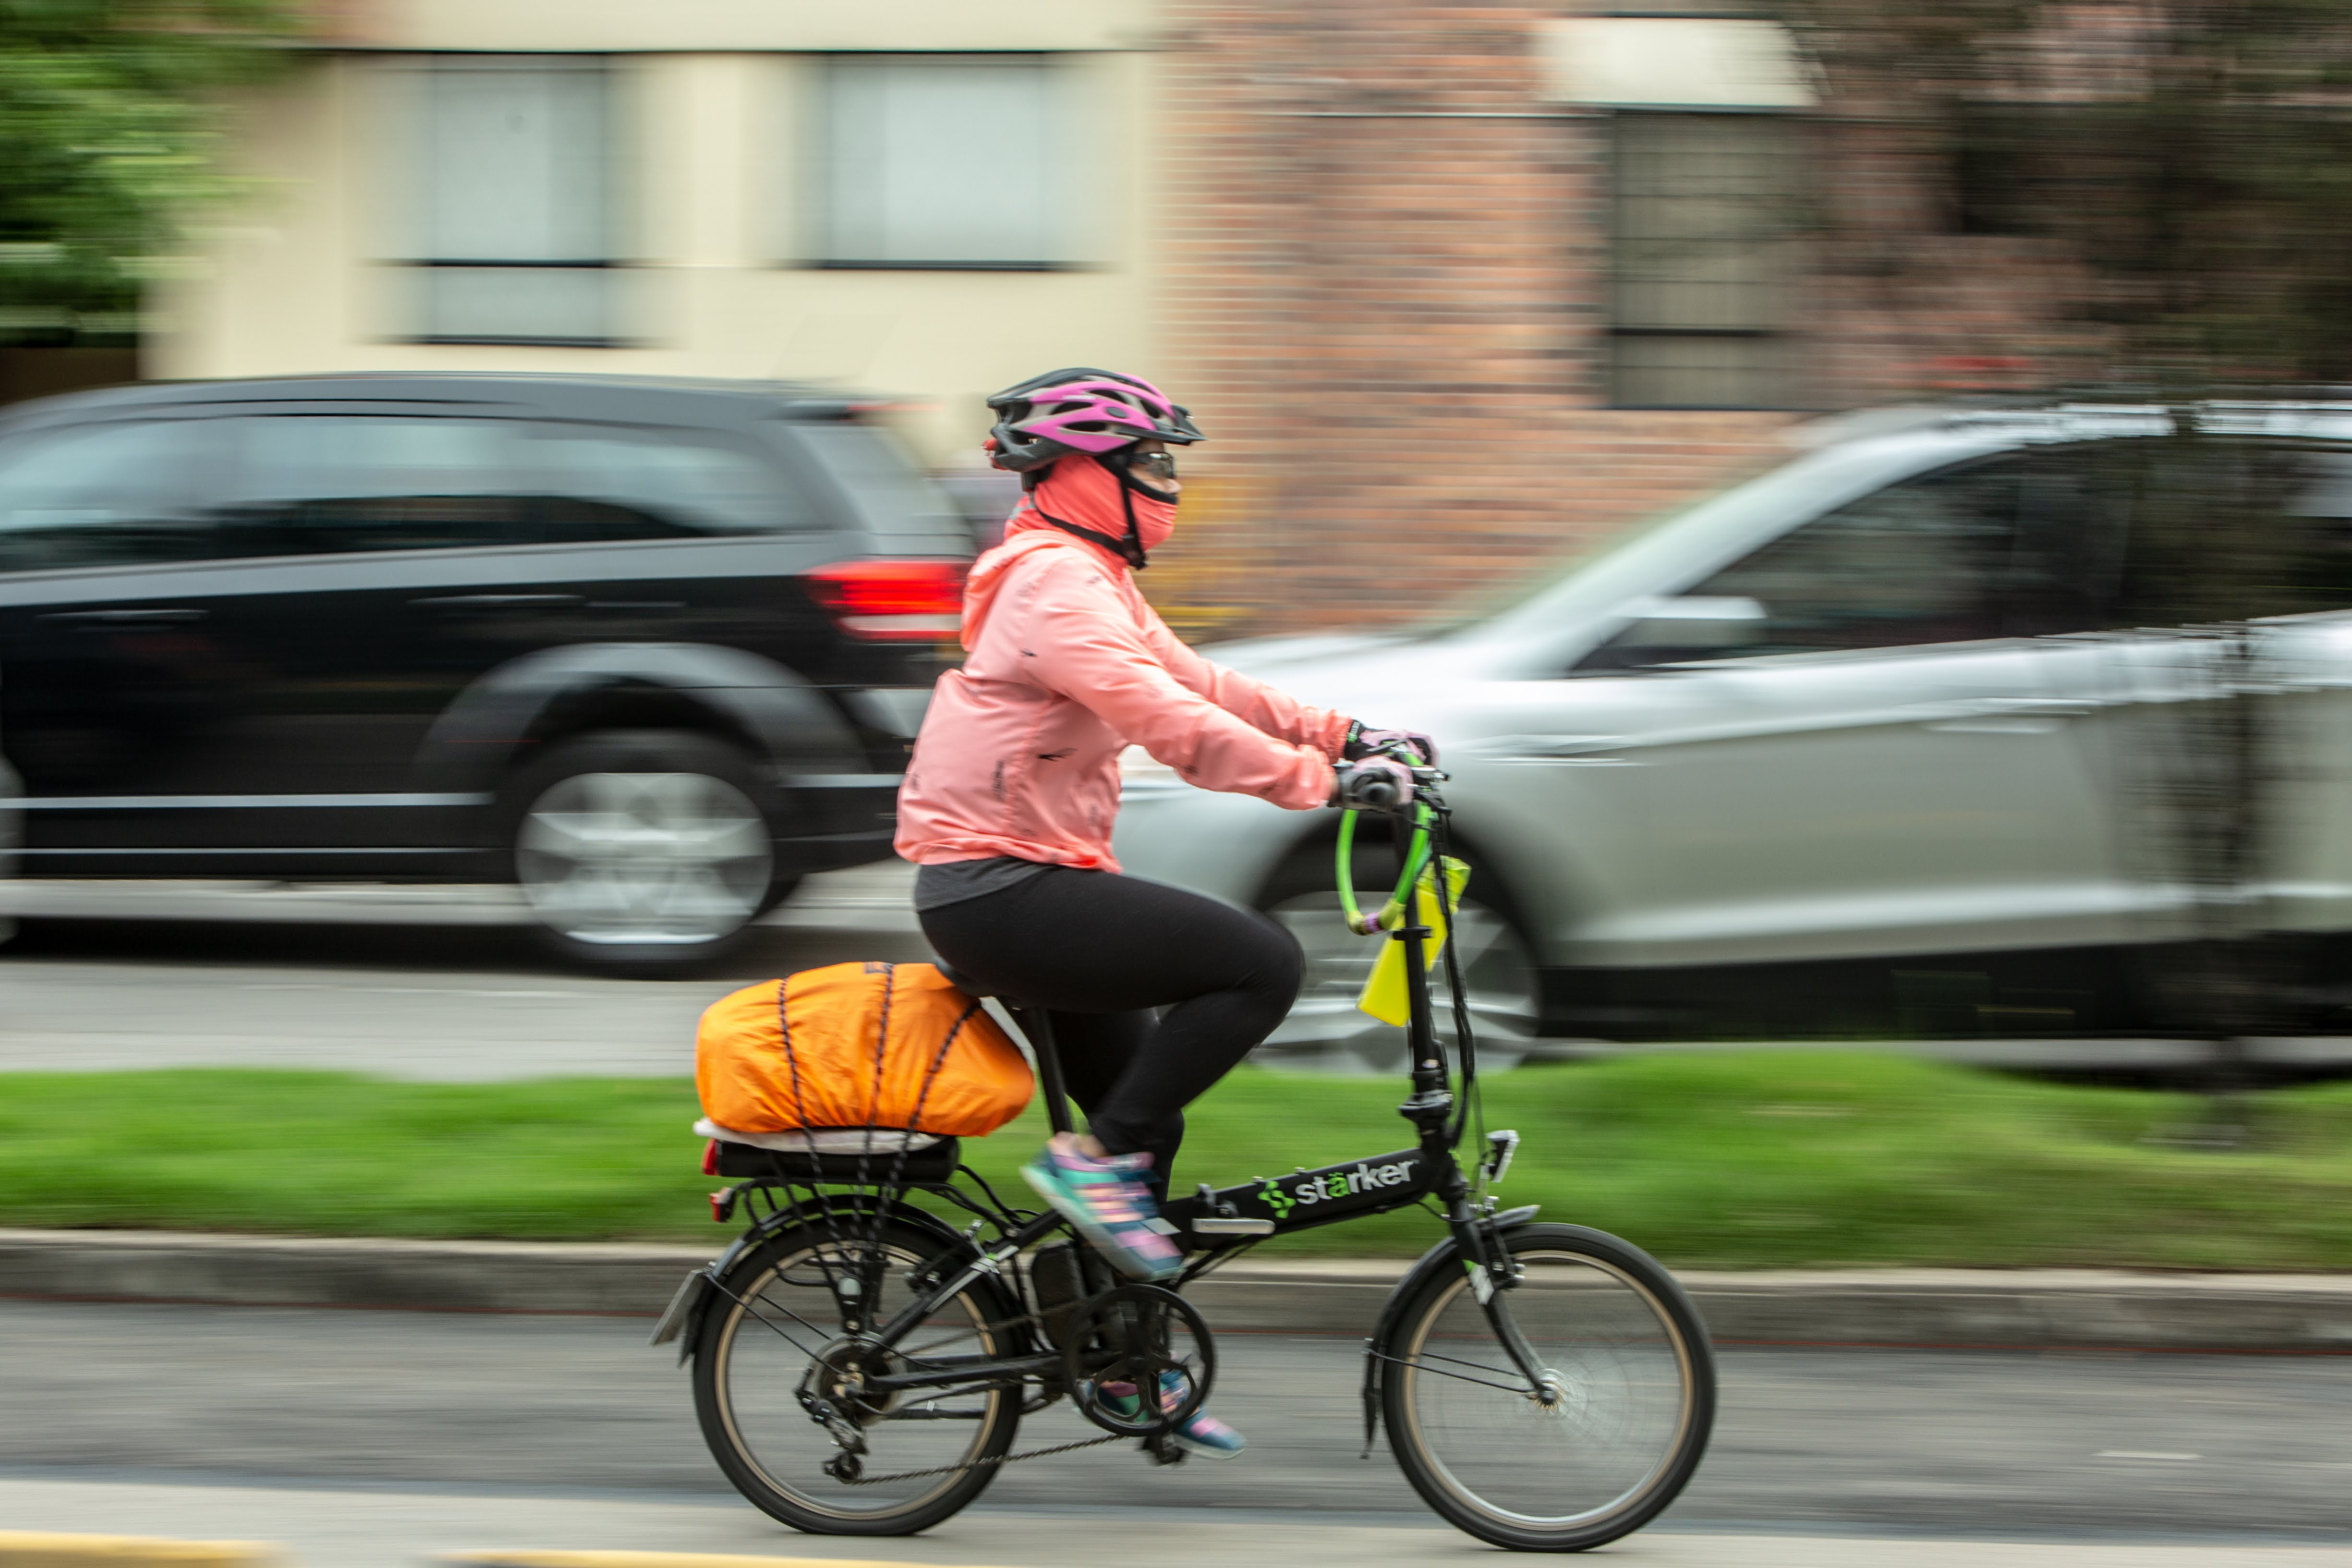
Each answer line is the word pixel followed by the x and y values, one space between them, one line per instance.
pixel 609 482
pixel 895 496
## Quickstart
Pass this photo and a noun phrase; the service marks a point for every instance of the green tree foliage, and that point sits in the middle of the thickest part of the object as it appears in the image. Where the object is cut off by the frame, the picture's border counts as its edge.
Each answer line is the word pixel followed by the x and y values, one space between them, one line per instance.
pixel 109 134
pixel 2192 157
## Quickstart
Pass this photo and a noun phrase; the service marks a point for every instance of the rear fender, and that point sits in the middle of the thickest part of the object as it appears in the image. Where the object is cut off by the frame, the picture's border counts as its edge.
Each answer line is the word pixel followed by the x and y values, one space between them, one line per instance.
pixel 682 1320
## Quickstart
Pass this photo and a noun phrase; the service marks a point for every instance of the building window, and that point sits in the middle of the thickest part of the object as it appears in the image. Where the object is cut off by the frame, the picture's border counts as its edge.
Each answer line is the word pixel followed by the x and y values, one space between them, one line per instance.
pixel 1705 207
pixel 946 161
pixel 513 203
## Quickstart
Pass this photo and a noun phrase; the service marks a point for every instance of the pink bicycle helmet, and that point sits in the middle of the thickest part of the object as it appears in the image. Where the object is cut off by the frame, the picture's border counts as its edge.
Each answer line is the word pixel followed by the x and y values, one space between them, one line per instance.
pixel 1080 410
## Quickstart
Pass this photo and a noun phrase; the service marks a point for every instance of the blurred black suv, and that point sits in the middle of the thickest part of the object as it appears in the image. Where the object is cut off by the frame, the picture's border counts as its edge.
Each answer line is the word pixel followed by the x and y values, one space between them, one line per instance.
pixel 650 649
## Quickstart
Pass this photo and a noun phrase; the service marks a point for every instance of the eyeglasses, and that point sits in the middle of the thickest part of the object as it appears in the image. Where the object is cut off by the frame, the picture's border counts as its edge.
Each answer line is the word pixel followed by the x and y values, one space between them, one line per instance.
pixel 1160 463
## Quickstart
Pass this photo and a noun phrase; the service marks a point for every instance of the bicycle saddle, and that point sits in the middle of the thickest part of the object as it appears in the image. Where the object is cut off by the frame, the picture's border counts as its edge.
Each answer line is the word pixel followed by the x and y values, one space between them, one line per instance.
pixel 973 988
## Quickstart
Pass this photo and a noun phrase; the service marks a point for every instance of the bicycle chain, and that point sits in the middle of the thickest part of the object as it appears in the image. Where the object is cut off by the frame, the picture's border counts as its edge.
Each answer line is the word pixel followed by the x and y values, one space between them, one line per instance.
pixel 979 1464
pixel 1037 1322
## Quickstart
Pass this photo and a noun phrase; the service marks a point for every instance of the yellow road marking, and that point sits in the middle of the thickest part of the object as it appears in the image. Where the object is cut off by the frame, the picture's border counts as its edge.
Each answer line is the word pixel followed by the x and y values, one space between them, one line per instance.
pixel 532 1559
pixel 44 1549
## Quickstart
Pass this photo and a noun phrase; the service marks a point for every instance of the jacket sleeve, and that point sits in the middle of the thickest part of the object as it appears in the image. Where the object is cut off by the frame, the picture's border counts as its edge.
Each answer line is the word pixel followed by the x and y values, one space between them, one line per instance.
pixel 1260 705
pixel 1083 642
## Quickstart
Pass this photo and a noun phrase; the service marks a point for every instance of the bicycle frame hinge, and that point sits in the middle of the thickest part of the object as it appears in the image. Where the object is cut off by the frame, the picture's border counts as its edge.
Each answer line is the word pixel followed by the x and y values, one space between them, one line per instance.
pixel 1500 1147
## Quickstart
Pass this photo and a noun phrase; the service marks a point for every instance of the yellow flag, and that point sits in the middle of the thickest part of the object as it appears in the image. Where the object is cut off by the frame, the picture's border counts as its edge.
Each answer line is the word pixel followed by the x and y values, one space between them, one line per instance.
pixel 1385 994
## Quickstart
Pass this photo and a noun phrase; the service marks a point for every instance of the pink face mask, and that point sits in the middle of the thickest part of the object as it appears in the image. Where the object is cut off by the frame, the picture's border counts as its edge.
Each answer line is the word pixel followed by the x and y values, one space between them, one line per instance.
pixel 1080 491
pixel 1155 520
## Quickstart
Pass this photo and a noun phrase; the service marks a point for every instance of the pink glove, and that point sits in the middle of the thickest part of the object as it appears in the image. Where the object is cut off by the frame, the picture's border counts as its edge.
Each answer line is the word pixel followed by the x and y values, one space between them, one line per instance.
pixel 1362 742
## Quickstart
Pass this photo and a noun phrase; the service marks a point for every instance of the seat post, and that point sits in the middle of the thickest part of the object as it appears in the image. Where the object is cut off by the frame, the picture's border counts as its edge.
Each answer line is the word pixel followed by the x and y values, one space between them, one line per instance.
pixel 1035 1023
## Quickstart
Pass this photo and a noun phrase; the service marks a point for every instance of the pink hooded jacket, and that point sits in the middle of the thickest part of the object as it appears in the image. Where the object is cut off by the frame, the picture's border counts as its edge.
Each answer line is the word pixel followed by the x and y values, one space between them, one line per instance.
pixel 1066 666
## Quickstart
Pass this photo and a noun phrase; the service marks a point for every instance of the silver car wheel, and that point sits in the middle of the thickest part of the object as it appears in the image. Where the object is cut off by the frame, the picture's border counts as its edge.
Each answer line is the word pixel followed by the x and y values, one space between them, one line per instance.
pixel 663 860
pixel 1324 1032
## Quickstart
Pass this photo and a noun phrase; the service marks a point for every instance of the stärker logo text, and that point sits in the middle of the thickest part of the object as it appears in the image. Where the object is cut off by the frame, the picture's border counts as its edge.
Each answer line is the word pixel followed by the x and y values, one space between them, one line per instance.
pixel 1332 1184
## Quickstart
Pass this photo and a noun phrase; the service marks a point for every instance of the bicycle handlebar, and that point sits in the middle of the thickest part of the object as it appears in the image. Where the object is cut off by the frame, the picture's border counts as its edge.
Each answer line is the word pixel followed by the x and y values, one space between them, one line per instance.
pixel 1425 805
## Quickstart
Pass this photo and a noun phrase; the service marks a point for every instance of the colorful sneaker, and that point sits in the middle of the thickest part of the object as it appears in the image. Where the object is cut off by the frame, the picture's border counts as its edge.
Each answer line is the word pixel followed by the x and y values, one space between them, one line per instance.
pixel 1109 1202
pixel 1204 1433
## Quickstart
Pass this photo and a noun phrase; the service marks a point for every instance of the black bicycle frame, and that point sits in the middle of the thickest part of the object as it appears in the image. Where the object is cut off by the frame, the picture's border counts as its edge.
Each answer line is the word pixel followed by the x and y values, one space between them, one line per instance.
pixel 1429 1174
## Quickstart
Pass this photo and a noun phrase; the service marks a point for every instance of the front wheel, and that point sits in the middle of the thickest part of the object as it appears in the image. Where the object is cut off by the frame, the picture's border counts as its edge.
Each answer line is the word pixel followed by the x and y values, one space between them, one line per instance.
pixel 1627 1401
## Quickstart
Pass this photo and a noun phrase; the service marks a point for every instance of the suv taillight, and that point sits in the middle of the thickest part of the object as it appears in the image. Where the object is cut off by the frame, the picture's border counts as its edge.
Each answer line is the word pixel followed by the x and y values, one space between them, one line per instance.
pixel 892 601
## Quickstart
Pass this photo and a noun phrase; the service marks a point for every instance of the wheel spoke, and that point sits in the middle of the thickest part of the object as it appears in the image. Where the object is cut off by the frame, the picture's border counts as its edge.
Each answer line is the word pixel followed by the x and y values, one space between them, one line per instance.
pixel 920 1441
pixel 1324 1027
pixel 1605 1441
pixel 609 858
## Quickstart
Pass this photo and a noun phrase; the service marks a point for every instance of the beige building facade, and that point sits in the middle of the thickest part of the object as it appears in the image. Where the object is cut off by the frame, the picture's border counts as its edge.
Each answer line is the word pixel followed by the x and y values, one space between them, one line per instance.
pixel 924 199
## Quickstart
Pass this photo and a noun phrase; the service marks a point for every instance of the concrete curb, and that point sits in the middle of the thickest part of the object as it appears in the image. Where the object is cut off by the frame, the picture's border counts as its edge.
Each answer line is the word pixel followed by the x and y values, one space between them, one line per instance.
pixel 40 1549
pixel 1961 1307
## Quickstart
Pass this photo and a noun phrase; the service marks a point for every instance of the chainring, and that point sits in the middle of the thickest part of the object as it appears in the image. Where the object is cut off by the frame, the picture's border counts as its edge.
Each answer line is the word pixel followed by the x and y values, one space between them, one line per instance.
pixel 1127 1336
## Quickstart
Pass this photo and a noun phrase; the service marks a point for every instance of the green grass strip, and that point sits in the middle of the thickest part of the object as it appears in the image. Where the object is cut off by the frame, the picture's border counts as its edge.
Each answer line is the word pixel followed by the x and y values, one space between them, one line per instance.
pixel 1757 1159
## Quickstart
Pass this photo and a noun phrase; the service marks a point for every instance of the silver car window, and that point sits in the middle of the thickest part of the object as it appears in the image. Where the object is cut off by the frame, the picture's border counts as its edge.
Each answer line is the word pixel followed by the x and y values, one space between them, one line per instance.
pixel 1926 560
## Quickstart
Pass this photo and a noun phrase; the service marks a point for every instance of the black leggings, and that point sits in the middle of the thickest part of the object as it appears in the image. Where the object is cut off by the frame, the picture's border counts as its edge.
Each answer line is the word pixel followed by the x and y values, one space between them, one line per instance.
pixel 1098 952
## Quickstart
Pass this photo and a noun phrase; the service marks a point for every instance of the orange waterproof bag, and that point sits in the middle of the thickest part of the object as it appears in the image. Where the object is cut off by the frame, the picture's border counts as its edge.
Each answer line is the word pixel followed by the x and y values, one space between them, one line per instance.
pixel 858 1046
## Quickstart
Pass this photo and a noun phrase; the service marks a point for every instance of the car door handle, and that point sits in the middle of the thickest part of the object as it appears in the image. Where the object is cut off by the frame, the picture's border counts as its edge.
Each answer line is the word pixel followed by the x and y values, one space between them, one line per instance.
pixel 1588 751
pixel 156 615
pixel 2008 715
pixel 498 601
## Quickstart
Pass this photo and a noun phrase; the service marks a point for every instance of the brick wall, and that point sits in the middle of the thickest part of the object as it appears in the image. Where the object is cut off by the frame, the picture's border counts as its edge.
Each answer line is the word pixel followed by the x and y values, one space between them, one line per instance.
pixel 1387 300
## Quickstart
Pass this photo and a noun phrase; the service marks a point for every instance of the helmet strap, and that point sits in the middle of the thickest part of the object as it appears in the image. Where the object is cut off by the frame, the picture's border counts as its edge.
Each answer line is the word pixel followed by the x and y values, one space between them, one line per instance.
pixel 1129 550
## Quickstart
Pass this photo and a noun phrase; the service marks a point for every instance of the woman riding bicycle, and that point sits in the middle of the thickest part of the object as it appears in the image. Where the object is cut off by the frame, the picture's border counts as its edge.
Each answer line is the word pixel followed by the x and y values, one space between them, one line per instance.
pixel 1009 800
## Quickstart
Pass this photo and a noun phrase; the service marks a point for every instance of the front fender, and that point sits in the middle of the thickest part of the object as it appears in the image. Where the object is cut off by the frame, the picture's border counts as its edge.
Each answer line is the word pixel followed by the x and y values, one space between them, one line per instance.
pixel 481 735
pixel 1445 1255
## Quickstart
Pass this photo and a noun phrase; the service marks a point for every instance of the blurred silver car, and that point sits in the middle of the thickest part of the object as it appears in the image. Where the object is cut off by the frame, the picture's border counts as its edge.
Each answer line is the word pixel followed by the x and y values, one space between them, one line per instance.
pixel 1883 700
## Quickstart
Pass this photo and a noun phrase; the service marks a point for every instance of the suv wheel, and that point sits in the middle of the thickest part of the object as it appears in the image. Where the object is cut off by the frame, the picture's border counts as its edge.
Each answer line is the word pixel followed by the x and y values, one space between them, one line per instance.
pixel 643 850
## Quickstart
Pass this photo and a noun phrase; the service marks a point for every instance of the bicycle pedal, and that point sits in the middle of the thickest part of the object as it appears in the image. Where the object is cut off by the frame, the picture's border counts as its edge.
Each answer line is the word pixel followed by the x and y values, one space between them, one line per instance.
pixel 1159 1450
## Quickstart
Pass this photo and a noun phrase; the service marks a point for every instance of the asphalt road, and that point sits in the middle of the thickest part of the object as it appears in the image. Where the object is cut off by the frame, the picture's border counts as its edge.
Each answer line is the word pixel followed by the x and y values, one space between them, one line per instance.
pixel 2132 1448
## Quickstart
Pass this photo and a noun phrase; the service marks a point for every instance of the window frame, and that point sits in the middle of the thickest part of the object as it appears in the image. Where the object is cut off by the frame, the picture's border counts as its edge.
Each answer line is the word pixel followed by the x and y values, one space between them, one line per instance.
pixel 1619 331
pixel 1053 67
pixel 414 141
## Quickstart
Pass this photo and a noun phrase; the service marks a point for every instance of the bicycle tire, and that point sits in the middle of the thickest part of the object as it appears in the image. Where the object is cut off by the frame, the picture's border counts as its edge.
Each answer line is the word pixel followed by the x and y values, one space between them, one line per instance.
pixel 1615 1449
pixel 746 1383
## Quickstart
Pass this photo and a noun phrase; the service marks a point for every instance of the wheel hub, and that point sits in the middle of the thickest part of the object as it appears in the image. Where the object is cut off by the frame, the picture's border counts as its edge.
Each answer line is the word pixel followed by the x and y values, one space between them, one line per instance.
pixel 1554 1398
pixel 838 1377
pixel 660 858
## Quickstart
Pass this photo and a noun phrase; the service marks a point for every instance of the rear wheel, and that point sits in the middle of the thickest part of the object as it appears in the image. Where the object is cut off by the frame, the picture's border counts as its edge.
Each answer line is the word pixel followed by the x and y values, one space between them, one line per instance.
pixel 643 850
pixel 1627 1401
pixel 778 1383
